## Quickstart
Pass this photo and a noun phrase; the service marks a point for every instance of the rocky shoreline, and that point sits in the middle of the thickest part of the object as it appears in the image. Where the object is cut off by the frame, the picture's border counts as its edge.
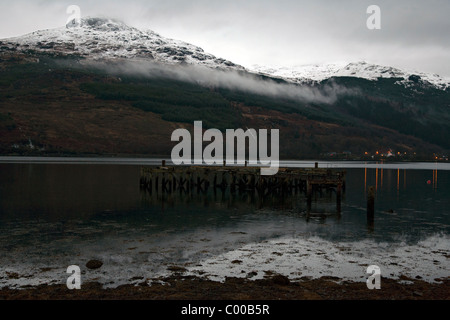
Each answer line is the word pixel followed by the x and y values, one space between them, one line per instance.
pixel 277 287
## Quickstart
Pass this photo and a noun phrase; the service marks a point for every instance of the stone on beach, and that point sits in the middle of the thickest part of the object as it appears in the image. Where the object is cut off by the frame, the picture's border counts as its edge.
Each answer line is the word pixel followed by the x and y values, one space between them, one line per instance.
pixel 94 264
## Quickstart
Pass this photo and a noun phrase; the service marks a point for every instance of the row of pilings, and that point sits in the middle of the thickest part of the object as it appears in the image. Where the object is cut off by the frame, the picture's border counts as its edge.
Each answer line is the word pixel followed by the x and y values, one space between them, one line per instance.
pixel 198 179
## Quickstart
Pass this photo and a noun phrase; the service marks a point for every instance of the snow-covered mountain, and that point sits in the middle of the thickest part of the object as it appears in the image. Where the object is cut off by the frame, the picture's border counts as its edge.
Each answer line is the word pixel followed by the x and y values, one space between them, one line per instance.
pixel 104 38
pixel 364 70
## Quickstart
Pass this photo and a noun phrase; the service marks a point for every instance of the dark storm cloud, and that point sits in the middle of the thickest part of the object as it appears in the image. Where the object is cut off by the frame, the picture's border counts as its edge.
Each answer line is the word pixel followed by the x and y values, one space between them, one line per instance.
pixel 414 34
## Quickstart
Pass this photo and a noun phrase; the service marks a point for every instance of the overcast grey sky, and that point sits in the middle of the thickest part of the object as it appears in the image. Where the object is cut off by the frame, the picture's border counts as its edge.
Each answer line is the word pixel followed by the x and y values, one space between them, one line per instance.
pixel 415 34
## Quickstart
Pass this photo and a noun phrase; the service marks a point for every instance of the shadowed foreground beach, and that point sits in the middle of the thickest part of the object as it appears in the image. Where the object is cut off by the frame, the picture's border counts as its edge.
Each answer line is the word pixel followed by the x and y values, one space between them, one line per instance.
pixel 275 288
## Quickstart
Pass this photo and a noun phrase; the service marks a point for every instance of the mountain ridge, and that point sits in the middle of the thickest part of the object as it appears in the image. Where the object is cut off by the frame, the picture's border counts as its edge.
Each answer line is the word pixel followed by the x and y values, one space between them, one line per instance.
pixel 106 38
pixel 361 69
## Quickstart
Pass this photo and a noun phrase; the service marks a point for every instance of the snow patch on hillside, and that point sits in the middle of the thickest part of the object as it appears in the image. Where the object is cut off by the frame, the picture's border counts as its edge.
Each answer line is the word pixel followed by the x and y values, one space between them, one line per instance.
pixel 363 70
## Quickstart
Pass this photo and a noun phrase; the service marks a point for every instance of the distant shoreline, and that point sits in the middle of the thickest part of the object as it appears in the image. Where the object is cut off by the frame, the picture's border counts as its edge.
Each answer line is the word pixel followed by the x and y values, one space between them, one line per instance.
pixel 141 160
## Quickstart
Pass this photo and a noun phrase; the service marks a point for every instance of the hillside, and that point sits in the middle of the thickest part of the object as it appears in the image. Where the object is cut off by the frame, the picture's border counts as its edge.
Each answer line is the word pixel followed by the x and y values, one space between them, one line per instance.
pixel 62 95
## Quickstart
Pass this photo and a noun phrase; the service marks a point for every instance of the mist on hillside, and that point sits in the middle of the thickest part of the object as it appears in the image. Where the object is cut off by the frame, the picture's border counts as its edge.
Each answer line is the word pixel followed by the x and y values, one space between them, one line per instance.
pixel 226 79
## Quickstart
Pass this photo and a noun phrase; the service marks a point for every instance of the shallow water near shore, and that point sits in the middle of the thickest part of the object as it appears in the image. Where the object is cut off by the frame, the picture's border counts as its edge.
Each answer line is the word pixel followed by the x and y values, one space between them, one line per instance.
pixel 56 213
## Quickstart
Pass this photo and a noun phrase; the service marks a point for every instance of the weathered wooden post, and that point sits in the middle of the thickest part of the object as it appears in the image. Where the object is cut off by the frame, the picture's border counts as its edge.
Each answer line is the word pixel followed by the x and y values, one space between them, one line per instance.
pixel 371 201
pixel 163 163
pixel 163 186
pixel 309 190
pixel 316 165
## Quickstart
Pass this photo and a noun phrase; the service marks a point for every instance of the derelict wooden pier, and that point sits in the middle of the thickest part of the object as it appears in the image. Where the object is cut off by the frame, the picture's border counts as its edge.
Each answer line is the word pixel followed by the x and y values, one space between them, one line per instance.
pixel 198 179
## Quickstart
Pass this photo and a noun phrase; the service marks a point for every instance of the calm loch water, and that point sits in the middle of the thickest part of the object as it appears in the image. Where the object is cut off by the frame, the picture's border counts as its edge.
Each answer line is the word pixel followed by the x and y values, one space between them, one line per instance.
pixel 58 213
